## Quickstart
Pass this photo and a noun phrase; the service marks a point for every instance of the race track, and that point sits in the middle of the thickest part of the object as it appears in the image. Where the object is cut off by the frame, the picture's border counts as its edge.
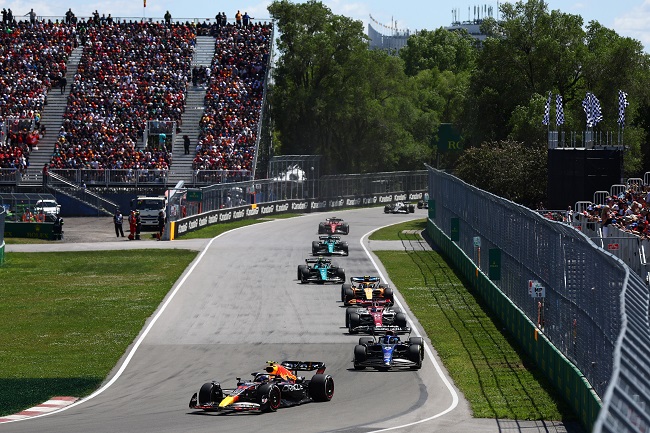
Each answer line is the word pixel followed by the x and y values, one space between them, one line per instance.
pixel 239 305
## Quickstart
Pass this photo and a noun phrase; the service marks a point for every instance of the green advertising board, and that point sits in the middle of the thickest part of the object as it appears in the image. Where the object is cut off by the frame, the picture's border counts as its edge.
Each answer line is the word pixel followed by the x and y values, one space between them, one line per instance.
pixel 455 230
pixel 194 195
pixel 448 138
pixel 495 264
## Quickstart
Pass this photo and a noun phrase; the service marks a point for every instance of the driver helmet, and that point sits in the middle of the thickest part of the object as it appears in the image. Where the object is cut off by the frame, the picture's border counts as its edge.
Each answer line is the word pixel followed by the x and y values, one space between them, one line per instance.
pixel 262 378
pixel 389 337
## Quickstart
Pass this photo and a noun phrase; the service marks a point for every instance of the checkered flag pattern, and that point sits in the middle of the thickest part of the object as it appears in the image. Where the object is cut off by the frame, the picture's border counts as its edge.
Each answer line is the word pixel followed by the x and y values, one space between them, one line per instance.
pixel 591 105
pixel 559 111
pixel 547 110
pixel 622 103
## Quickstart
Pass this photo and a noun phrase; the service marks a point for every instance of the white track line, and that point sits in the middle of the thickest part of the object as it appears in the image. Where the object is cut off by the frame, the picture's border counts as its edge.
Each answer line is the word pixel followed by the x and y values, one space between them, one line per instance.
pixel 427 348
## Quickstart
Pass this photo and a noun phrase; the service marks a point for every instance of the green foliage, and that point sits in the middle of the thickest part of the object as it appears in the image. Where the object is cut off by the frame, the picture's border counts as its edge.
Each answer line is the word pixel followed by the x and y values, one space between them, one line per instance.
pixel 508 169
pixel 439 49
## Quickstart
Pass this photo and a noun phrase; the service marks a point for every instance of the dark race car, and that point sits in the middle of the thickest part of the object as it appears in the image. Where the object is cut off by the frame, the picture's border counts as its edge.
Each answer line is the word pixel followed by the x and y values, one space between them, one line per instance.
pixel 387 352
pixel 320 270
pixel 374 317
pixel 333 226
pixel 364 289
pixel 399 207
pixel 329 245
pixel 277 386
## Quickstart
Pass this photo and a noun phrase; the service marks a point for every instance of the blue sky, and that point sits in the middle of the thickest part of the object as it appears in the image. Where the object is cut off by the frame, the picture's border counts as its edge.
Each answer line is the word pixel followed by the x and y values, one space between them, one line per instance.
pixel 627 17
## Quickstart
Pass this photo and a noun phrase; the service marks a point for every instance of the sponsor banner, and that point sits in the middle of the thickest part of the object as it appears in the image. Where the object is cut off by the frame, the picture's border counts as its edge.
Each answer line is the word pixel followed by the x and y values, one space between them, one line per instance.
pixel 196 222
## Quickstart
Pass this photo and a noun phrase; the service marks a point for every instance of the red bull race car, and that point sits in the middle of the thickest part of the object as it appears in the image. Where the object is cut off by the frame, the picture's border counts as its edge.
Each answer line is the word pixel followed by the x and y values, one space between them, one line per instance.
pixel 277 386
pixel 365 289
pixel 320 270
pixel 375 316
pixel 333 226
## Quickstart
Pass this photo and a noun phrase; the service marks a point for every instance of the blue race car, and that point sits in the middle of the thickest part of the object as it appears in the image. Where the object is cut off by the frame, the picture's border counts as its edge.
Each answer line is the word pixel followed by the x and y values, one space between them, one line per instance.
pixel 388 352
pixel 329 245
pixel 320 270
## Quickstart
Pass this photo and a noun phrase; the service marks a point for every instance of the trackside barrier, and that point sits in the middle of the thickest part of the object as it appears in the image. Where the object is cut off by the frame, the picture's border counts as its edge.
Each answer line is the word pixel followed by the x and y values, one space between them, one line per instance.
pixel 185 225
pixel 3 213
pixel 556 367
pixel 586 307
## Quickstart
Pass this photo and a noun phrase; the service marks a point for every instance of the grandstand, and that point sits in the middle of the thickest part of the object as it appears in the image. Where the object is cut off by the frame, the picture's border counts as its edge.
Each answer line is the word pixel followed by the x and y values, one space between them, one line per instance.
pixel 133 92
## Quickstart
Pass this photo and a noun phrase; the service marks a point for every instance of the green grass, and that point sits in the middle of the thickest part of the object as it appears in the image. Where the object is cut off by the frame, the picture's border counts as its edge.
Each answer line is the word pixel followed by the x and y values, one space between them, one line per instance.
pixel 498 380
pixel 68 317
pixel 396 232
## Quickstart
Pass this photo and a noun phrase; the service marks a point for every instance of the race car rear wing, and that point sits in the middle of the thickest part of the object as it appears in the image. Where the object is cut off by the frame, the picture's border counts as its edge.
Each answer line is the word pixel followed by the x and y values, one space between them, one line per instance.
pixel 296 366
pixel 326 237
pixel 315 260
pixel 365 279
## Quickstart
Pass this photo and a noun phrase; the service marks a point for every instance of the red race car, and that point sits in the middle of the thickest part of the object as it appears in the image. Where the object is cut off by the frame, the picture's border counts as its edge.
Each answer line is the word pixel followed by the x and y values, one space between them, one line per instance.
pixel 333 226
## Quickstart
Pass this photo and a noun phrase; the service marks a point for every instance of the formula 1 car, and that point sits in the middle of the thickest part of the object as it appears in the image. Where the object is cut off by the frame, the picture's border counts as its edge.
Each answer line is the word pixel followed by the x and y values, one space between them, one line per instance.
pixel 334 226
pixel 329 245
pixel 364 289
pixel 277 386
pixel 388 352
pixel 320 270
pixel 399 207
pixel 377 315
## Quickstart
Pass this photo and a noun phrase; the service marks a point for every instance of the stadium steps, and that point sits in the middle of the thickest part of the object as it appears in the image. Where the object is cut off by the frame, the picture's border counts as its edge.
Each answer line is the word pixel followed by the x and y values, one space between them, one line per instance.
pixel 52 118
pixel 181 168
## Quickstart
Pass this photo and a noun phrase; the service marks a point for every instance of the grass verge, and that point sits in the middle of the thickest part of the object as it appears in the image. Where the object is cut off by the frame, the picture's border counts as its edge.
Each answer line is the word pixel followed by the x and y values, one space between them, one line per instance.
pixel 68 317
pixel 497 379
pixel 400 231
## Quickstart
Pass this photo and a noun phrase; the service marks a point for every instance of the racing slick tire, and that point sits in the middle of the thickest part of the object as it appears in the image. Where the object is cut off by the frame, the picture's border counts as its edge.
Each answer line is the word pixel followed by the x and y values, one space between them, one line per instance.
pixel 322 229
pixel 411 208
pixel 349 311
pixel 387 209
pixel 354 320
pixel 360 355
pixel 315 247
pixel 300 271
pixel 210 393
pixel 345 228
pixel 416 340
pixel 344 248
pixel 340 273
pixel 388 295
pixel 321 387
pixel 364 341
pixel 269 397
pixel 345 287
pixel 415 353
pixel 400 320
pixel 348 296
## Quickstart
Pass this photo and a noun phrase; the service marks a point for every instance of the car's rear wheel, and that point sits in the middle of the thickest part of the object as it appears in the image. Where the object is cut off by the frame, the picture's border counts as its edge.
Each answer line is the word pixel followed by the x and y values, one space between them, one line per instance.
pixel 359 357
pixel 348 296
pixel 364 341
pixel 269 397
pixel 344 248
pixel 349 311
pixel 388 295
pixel 415 354
pixel 321 229
pixel 315 247
pixel 416 340
pixel 346 228
pixel 344 287
pixel 321 387
pixel 300 270
pixel 340 273
pixel 400 320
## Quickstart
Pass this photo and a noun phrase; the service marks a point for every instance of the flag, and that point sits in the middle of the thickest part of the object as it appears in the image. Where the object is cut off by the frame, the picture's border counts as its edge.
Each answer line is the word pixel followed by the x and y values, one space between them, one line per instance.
pixel 547 110
pixel 559 111
pixel 622 103
pixel 591 105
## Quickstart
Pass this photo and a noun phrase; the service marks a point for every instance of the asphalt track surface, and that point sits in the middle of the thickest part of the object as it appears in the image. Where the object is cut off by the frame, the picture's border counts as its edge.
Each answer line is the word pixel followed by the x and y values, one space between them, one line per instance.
pixel 239 305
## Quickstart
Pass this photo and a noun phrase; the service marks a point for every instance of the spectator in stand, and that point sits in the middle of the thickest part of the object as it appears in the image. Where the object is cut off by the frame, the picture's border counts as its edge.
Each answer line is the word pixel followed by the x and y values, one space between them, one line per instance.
pixel 238 18
pixel 32 16
pixel 168 18
pixel 246 19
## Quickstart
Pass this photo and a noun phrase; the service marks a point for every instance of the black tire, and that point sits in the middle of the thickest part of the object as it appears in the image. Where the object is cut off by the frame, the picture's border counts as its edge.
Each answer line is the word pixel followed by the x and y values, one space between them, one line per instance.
pixel 397 310
pixel 322 229
pixel 300 271
pixel 304 278
pixel 420 205
pixel 340 273
pixel 415 355
pixel 346 228
pixel 360 355
pixel 416 340
pixel 345 248
pixel 400 320
pixel 210 393
pixel 411 208
pixel 321 387
pixel 388 295
pixel 269 397
pixel 349 311
pixel 344 287
pixel 348 296
pixel 387 209
pixel 354 320
pixel 364 341
pixel 315 247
